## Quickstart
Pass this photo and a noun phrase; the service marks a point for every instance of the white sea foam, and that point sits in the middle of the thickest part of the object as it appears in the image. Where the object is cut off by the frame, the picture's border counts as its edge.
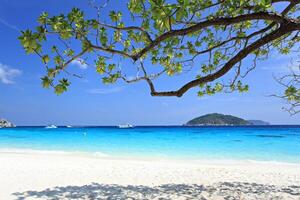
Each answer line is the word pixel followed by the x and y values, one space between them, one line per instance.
pixel 32 151
pixel 50 152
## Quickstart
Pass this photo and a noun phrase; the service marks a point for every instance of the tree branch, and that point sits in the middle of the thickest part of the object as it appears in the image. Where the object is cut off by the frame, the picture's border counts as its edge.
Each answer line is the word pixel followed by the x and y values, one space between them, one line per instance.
pixel 128 28
pixel 212 22
pixel 112 51
pixel 284 29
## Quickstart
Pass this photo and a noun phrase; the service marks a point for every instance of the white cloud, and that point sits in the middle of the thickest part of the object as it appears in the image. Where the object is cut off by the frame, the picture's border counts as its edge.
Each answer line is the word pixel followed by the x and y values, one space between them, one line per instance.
pixel 105 91
pixel 80 63
pixel 5 23
pixel 7 74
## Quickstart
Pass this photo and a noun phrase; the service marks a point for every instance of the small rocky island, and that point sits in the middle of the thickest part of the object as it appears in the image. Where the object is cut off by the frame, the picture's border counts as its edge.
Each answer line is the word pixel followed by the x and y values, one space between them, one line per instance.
pixel 6 124
pixel 216 119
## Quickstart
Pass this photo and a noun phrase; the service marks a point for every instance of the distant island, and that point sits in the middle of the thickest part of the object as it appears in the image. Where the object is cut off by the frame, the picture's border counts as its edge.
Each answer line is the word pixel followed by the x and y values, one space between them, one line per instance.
pixel 6 124
pixel 216 119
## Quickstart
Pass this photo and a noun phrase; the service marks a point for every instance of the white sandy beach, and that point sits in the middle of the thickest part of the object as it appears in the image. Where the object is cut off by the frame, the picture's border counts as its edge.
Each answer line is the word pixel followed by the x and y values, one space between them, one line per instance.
pixel 46 175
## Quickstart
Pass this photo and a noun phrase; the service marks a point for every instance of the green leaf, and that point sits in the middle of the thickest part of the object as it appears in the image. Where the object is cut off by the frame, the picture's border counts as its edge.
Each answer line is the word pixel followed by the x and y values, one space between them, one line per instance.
pixel 100 65
pixel 45 59
pixel 115 16
pixel 62 86
pixel 46 82
pixel 111 67
pixel 43 18
pixel 103 36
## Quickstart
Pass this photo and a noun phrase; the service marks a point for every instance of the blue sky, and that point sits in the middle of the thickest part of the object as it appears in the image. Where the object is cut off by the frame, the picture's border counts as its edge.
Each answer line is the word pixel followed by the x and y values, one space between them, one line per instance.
pixel 89 102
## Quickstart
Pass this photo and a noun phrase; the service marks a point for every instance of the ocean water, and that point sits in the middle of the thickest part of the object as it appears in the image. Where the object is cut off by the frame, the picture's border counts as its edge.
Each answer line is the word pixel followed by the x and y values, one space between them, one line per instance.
pixel 261 143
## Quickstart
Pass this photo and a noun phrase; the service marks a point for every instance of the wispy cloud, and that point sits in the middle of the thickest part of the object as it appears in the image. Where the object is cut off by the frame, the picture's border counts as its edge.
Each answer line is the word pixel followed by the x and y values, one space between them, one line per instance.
pixel 11 26
pixel 165 104
pixel 283 63
pixel 7 74
pixel 80 63
pixel 104 90
pixel 282 67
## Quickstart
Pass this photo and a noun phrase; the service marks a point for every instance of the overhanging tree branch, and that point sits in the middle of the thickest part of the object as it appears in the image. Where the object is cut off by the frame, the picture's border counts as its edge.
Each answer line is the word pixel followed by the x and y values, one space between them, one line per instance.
pixel 209 37
pixel 238 57
pixel 213 22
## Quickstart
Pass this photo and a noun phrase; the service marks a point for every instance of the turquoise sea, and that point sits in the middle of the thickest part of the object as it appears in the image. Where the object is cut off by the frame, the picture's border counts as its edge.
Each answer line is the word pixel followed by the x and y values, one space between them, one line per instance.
pixel 262 143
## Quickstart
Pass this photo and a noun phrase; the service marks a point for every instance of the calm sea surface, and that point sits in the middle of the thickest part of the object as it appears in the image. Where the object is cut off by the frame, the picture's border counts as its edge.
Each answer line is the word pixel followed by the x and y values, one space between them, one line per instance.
pixel 268 143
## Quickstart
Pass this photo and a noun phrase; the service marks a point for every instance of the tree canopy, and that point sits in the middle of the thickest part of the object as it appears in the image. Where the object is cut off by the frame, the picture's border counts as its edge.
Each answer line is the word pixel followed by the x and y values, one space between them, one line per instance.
pixel 167 38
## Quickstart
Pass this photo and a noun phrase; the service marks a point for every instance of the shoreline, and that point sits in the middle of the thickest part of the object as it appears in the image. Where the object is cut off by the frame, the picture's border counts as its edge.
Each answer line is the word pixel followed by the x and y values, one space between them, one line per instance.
pixel 27 174
pixel 100 155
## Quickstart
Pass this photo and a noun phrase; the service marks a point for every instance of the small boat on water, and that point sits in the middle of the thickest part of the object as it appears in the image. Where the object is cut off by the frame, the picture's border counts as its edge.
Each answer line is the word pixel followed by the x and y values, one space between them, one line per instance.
pixel 51 126
pixel 126 126
pixel 69 126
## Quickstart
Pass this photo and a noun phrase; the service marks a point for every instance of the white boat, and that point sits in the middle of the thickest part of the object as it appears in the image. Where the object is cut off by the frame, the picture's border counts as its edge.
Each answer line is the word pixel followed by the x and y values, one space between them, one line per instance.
pixel 51 126
pixel 69 126
pixel 126 126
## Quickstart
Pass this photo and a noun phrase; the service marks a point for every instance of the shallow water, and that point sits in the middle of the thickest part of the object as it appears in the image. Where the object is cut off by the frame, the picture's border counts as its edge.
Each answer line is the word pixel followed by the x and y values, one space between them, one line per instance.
pixel 262 143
